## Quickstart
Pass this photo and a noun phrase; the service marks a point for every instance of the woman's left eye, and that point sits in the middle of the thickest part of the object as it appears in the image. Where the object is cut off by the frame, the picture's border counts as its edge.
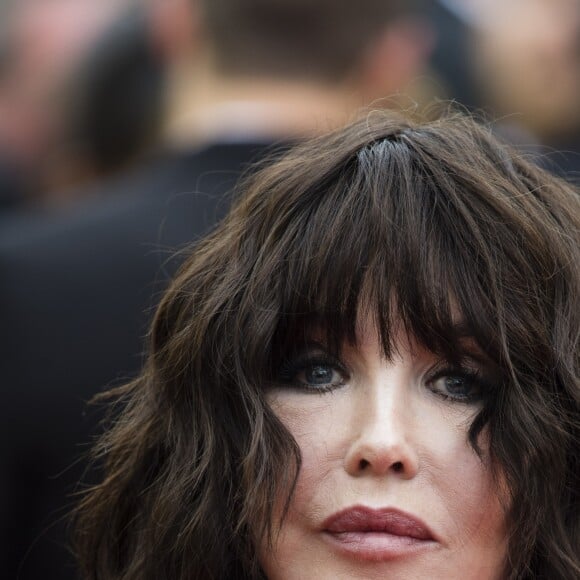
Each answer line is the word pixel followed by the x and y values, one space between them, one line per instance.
pixel 462 386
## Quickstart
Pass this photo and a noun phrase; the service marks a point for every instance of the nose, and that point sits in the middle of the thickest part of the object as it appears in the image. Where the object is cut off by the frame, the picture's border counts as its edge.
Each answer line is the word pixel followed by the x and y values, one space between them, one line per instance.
pixel 383 435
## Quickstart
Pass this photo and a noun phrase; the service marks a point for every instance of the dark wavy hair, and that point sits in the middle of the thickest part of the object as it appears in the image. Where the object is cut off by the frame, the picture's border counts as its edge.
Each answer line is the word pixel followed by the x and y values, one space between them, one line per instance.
pixel 436 218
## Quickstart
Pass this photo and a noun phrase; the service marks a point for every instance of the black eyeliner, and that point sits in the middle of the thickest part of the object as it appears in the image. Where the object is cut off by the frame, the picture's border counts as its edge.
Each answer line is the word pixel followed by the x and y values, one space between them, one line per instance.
pixel 476 377
pixel 293 365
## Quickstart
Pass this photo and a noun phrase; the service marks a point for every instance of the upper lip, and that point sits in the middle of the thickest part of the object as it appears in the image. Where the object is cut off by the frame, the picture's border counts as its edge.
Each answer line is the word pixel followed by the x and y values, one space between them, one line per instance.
pixel 385 520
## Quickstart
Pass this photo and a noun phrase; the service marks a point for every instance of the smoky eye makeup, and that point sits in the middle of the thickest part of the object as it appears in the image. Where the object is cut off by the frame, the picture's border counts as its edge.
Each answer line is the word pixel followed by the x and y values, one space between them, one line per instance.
pixel 312 369
pixel 468 381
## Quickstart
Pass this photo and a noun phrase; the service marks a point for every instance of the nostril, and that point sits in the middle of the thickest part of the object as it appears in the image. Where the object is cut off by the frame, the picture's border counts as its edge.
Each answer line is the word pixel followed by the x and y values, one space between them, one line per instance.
pixel 363 464
pixel 397 467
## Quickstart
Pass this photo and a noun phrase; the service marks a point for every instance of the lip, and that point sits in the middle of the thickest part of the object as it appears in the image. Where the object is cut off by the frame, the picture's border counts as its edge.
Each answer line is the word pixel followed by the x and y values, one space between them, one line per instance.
pixel 377 534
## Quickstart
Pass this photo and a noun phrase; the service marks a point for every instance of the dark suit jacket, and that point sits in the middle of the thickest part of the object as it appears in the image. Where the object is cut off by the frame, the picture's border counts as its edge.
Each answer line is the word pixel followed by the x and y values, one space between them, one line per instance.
pixel 76 294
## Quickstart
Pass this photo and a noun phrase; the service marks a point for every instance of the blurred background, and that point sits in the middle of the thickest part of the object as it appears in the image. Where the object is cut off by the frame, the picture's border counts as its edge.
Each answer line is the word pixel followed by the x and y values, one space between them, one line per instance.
pixel 80 95
pixel 82 83
pixel 93 93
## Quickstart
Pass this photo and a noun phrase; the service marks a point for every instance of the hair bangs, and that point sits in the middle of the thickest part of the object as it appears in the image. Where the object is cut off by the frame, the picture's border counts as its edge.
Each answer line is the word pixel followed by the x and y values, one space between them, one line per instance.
pixel 382 242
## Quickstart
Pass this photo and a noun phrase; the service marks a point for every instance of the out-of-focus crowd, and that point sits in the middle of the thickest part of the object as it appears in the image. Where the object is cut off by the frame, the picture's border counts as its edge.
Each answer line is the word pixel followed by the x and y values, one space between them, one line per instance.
pixel 124 125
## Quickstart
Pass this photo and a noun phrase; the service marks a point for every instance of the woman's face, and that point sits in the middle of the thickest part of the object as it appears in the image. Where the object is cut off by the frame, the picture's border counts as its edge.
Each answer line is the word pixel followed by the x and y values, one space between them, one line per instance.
pixel 389 486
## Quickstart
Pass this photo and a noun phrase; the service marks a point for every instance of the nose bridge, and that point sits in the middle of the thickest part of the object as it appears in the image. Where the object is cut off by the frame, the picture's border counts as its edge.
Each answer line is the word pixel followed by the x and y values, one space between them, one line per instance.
pixel 383 426
pixel 385 407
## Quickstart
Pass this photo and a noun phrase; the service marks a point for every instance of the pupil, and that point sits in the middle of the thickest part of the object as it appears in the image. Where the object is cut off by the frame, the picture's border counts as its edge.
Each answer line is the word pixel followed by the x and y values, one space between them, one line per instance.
pixel 456 385
pixel 319 375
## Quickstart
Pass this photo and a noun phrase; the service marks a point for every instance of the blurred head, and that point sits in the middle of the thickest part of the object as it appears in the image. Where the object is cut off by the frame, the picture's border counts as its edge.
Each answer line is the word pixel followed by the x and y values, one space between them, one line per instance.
pixel 116 102
pixel 378 44
pixel 369 369
pixel 528 58
pixel 323 39
pixel 42 45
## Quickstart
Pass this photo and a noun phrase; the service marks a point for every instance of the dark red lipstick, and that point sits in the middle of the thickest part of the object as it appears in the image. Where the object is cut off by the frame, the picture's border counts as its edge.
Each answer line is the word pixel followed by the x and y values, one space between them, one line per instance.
pixel 377 534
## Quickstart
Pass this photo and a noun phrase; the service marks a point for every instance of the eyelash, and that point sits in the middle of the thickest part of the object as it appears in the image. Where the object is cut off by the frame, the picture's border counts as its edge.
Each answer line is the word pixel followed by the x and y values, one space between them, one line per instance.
pixel 292 367
pixel 472 377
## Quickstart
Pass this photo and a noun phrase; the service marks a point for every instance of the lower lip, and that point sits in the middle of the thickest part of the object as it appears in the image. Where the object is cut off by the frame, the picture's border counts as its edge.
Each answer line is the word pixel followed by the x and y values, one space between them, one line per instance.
pixel 377 546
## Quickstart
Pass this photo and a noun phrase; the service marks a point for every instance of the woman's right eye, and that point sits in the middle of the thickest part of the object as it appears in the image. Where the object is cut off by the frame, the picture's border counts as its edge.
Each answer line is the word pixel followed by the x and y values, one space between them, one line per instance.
pixel 319 375
pixel 316 373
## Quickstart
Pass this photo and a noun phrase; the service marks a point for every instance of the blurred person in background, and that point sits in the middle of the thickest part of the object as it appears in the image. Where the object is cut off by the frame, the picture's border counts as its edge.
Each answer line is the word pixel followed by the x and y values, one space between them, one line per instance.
pixel 116 100
pixel 451 72
pixel 245 77
pixel 527 57
pixel 518 61
pixel 42 45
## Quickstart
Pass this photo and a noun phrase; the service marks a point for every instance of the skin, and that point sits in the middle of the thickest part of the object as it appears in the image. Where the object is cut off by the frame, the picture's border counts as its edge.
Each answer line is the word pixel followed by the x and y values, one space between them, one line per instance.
pixel 380 433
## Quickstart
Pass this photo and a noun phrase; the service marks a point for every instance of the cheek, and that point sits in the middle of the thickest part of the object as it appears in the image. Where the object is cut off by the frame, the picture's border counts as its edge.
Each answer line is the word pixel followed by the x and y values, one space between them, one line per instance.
pixel 313 422
pixel 293 549
pixel 313 426
pixel 473 504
